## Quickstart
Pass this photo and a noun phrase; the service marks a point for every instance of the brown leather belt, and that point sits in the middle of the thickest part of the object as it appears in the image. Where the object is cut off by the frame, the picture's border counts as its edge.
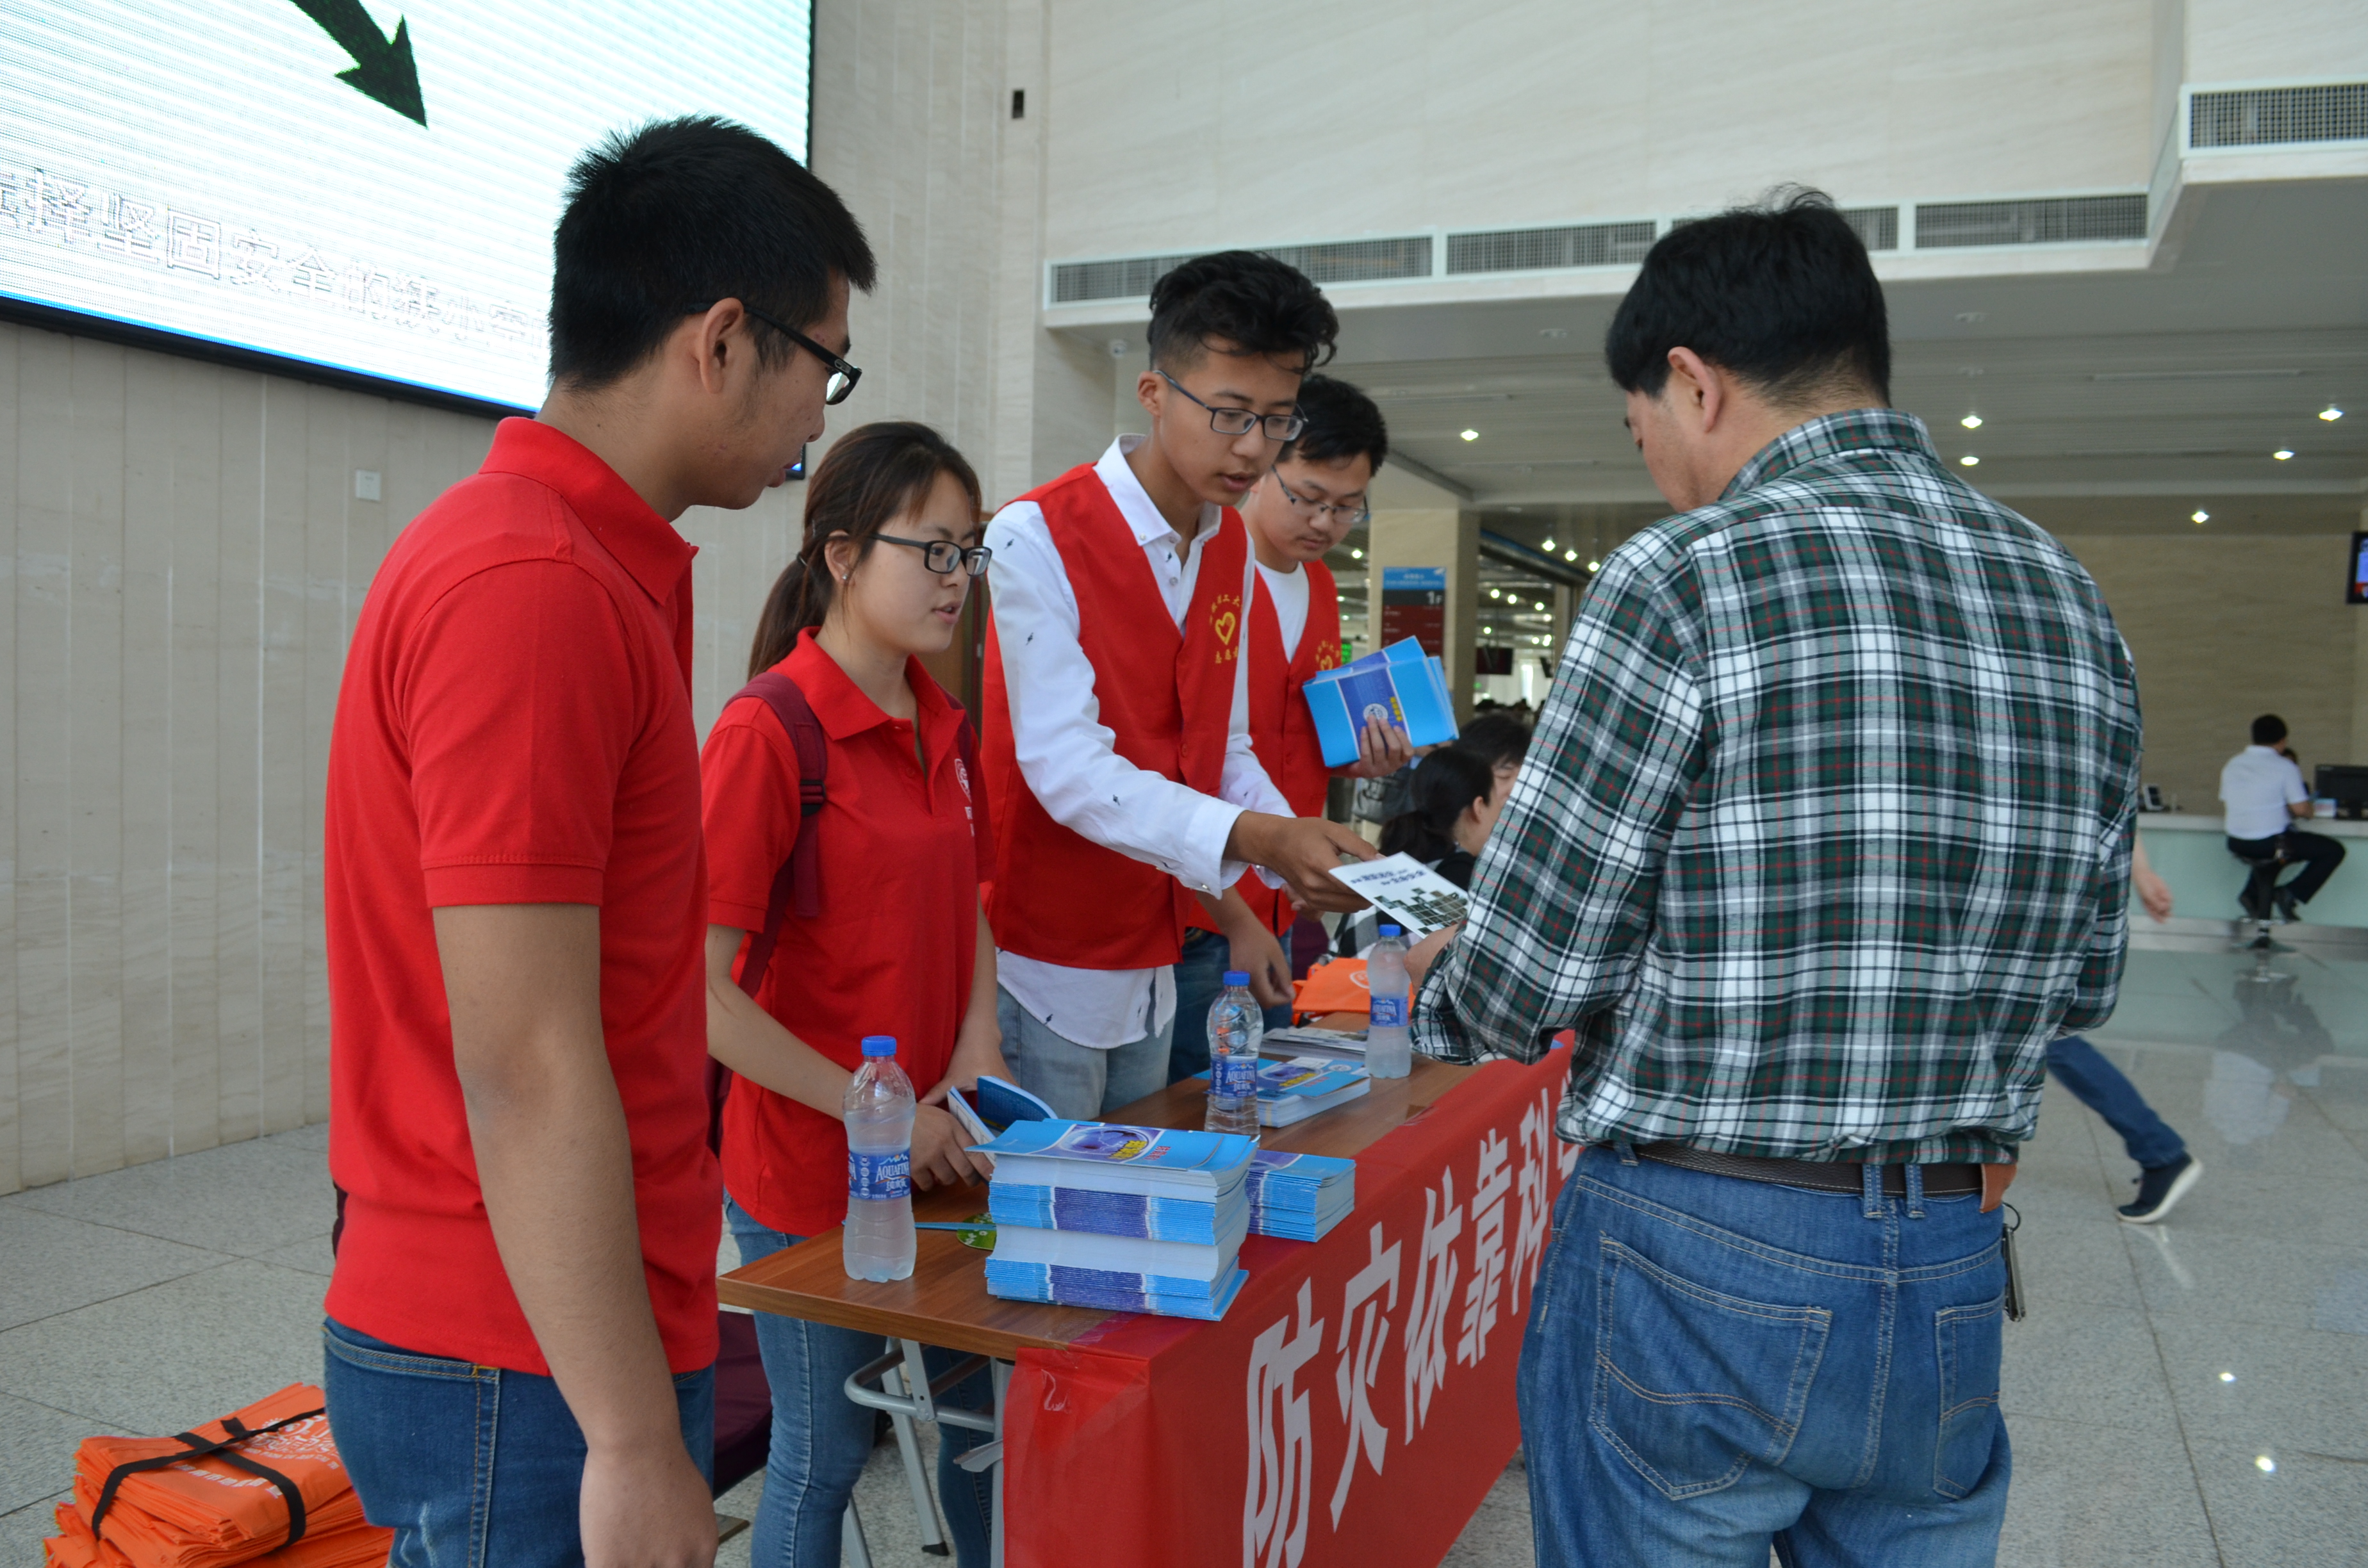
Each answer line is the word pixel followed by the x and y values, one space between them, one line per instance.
pixel 1818 1176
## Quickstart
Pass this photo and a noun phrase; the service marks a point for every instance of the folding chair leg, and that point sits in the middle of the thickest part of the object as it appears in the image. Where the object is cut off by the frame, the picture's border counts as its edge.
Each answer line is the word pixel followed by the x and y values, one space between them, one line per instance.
pixel 851 1544
pixel 933 1540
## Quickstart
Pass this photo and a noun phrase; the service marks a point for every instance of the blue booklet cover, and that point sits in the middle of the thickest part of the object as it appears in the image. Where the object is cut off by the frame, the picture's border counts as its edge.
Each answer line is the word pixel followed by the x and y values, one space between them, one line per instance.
pixel 1278 1180
pixel 1201 1262
pixel 1195 1219
pixel 1115 1157
pixel 1111 1292
pixel 1400 685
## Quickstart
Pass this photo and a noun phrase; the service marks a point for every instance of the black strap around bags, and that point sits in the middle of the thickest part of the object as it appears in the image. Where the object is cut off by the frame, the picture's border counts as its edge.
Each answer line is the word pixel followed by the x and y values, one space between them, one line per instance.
pixel 234 1432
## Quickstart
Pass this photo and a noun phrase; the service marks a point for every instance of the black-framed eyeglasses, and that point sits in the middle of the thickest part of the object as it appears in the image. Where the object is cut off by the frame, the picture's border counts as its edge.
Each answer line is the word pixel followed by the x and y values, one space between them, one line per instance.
pixel 942 555
pixel 843 375
pixel 1331 514
pixel 1242 421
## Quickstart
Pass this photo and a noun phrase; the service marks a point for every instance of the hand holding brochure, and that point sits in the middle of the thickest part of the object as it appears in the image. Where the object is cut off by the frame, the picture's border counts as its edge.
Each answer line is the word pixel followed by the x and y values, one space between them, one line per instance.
pixel 1400 685
pixel 1407 892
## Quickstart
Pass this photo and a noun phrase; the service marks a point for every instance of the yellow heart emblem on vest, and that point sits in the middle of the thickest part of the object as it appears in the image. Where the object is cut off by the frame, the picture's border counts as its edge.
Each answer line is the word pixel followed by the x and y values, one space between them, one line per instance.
pixel 1223 623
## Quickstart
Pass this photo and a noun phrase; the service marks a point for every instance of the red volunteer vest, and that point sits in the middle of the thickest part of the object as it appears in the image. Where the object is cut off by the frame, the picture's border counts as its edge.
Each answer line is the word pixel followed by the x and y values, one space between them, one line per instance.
pixel 1282 731
pixel 1167 697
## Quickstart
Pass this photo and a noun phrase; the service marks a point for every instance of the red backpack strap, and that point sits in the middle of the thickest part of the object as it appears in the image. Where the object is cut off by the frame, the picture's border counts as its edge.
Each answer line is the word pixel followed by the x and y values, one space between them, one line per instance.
pixel 798 884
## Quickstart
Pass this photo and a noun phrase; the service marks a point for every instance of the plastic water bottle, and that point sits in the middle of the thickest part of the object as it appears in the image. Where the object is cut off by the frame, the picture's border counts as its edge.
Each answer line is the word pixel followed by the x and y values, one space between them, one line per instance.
pixel 878 1241
pixel 1236 1029
pixel 1389 1048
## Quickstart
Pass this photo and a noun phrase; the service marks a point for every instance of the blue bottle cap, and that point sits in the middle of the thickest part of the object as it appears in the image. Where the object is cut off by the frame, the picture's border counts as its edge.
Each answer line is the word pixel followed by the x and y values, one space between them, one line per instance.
pixel 1389 930
pixel 1238 977
pixel 880 1045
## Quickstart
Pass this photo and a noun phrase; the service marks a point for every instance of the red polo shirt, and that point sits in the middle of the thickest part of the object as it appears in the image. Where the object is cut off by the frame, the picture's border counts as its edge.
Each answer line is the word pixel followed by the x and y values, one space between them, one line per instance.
pixel 515 727
pixel 902 847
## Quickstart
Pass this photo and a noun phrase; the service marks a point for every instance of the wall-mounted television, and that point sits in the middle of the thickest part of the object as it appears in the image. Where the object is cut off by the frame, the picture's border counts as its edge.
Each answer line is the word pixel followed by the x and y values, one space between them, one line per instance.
pixel 362 189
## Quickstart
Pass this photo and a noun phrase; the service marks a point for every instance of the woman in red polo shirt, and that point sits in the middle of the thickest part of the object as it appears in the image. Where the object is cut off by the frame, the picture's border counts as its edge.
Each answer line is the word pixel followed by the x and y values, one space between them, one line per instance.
pixel 897 945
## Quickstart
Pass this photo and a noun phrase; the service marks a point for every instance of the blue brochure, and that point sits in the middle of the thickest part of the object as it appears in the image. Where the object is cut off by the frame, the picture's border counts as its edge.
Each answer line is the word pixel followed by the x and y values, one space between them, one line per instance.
pixel 1280 1179
pixel 1400 685
pixel 1197 1219
pixel 1153 1161
pixel 1114 1291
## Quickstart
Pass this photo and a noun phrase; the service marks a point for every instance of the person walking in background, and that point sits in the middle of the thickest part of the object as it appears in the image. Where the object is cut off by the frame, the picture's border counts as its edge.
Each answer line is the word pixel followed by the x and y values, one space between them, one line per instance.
pixel 515 897
pixel 2262 787
pixel 1117 736
pixel 894 942
pixel 1304 506
pixel 1824 836
pixel 2167 1172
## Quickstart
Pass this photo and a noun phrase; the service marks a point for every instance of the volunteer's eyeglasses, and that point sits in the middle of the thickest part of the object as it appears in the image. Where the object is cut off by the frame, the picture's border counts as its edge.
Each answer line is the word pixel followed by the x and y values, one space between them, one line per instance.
pixel 1242 421
pixel 843 375
pixel 942 555
pixel 1332 516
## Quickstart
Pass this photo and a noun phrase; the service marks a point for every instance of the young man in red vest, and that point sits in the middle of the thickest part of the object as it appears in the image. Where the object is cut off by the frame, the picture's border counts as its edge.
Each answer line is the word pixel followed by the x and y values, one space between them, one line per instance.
pixel 1116 735
pixel 1296 515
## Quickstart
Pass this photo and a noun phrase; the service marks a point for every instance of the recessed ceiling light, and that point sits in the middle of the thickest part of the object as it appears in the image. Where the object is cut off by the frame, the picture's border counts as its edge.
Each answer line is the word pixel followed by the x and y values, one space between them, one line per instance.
pixel 2331 413
pixel 2265 1465
pixel 1556 332
pixel 2227 1377
pixel 1495 593
pixel 1470 435
pixel 1970 422
pixel 1969 460
pixel 1570 555
pixel 1595 565
pixel 1539 604
pixel 2198 516
pixel 1549 547
pixel 2283 453
pixel 1969 317
pixel 1356 555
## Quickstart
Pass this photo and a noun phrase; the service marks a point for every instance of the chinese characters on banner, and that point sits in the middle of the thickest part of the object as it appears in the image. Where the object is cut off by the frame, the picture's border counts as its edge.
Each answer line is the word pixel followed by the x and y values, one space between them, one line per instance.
pixel 1222 1442
pixel 48 208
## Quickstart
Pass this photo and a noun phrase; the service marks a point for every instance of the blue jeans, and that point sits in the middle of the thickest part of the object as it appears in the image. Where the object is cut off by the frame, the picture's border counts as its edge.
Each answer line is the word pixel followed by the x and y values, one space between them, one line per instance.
pixel 1200 980
pixel 2098 1084
pixel 822 1439
pixel 472 1466
pixel 1713 1366
pixel 1081 1083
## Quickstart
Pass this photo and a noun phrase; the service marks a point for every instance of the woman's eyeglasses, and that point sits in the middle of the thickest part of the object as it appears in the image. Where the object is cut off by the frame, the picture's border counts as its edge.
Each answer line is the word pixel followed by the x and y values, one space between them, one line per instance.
pixel 942 555
pixel 843 375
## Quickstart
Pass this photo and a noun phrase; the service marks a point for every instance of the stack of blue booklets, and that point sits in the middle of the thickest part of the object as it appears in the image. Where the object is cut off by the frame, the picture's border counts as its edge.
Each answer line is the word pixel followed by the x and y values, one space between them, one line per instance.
pixel 1126 1218
pixel 1399 685
pixel 1299 1196
pixel 1292 1090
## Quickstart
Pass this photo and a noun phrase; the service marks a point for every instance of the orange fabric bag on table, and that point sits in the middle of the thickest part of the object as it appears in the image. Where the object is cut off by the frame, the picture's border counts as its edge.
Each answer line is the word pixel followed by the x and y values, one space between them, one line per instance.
pixel 231 1491
pixel 1338 986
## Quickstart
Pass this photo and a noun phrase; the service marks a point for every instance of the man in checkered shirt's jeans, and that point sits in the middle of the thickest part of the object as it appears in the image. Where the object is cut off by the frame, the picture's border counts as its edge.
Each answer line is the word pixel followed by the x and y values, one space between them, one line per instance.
pixel 1824 834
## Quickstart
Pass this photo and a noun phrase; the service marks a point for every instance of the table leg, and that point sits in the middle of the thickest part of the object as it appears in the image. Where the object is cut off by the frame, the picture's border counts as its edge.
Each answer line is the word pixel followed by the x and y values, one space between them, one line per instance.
pixel 1001 1378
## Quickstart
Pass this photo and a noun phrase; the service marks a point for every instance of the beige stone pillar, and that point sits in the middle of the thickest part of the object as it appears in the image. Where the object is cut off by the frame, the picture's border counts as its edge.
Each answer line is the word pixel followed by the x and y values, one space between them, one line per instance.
pixel 1418 524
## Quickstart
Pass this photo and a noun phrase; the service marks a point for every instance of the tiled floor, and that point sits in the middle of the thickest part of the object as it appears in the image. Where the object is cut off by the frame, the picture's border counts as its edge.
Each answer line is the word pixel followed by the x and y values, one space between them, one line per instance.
pixel 2195 1392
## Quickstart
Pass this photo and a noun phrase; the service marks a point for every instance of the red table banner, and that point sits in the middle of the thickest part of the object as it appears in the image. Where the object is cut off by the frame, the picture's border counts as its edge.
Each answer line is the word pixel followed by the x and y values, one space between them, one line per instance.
pixel 1356 1404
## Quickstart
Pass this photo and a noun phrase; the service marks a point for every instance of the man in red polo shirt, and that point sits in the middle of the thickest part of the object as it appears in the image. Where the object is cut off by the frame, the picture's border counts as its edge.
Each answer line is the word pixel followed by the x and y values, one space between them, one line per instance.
pixel 1297 513
pixel 521 1335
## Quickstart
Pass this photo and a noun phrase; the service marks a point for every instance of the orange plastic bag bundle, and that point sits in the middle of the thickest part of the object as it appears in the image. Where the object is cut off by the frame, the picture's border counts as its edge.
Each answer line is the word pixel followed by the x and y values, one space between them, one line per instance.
pixel 1338 986
pixel 139 1503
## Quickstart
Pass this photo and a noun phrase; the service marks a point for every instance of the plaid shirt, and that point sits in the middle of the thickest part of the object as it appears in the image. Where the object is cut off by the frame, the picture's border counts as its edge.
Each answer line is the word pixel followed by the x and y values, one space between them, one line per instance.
pixel 1825 831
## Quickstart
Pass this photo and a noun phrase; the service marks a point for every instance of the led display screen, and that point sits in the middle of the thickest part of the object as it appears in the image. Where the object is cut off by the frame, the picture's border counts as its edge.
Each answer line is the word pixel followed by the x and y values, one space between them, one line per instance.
pixel 370 189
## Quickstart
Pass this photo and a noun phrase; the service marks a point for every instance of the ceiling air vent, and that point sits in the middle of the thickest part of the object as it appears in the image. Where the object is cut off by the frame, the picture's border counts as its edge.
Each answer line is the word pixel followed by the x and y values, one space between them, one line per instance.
pixel 1527 250
pixel 1945 225
pixel 1130 278
pixel 1878 227
pixel 1360 261
pixel 2267 116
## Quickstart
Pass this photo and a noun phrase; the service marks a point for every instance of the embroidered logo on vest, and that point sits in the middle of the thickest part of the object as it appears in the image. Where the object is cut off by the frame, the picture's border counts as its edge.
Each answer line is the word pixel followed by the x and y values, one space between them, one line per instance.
pixel 1225 621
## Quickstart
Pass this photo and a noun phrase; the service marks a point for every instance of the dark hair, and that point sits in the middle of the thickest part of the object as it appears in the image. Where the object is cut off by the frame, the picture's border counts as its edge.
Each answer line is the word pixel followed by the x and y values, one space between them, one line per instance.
pixel 1253 301
pixel 1498 737
pixel 2268 730
pixel 684 212
pixel 864 481
pixel 1443 786
pixel 1341 423
pixel 1781 295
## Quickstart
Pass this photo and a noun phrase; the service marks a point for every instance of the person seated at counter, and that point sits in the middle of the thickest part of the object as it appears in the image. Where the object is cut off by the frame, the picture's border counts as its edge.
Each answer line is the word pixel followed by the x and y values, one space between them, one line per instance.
pixel 2261 786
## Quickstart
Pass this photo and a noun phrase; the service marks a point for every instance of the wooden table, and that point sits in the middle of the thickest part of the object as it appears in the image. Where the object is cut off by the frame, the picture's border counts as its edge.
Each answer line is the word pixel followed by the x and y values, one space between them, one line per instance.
pixel 945 1302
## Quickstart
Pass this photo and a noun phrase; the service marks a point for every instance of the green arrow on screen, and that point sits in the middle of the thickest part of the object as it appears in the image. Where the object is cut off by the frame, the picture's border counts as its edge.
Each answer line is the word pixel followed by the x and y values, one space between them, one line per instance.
pixel 383 69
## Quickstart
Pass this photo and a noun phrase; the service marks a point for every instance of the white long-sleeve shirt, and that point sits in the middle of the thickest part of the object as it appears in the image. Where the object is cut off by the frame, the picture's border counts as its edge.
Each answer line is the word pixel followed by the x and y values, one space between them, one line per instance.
pixel 1070 761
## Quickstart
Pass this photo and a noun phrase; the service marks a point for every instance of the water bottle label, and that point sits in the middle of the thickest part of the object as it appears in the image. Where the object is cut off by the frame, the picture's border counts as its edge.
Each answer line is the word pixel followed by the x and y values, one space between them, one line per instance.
pixel 1234 1078
pixel 876 1177
pixel 1389 1011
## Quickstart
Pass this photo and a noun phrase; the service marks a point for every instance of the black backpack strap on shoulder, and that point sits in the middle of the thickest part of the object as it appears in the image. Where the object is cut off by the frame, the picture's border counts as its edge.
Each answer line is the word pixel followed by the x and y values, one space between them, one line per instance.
pixel 194 1447
pixel 797 885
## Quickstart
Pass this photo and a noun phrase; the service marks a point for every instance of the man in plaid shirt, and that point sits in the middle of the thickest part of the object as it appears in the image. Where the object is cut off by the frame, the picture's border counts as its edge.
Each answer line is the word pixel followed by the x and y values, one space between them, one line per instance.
pixel 1824 836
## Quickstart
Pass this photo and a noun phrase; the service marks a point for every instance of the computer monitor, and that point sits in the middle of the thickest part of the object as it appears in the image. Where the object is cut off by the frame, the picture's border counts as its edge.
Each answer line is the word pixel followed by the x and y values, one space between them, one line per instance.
pixel 2347 786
